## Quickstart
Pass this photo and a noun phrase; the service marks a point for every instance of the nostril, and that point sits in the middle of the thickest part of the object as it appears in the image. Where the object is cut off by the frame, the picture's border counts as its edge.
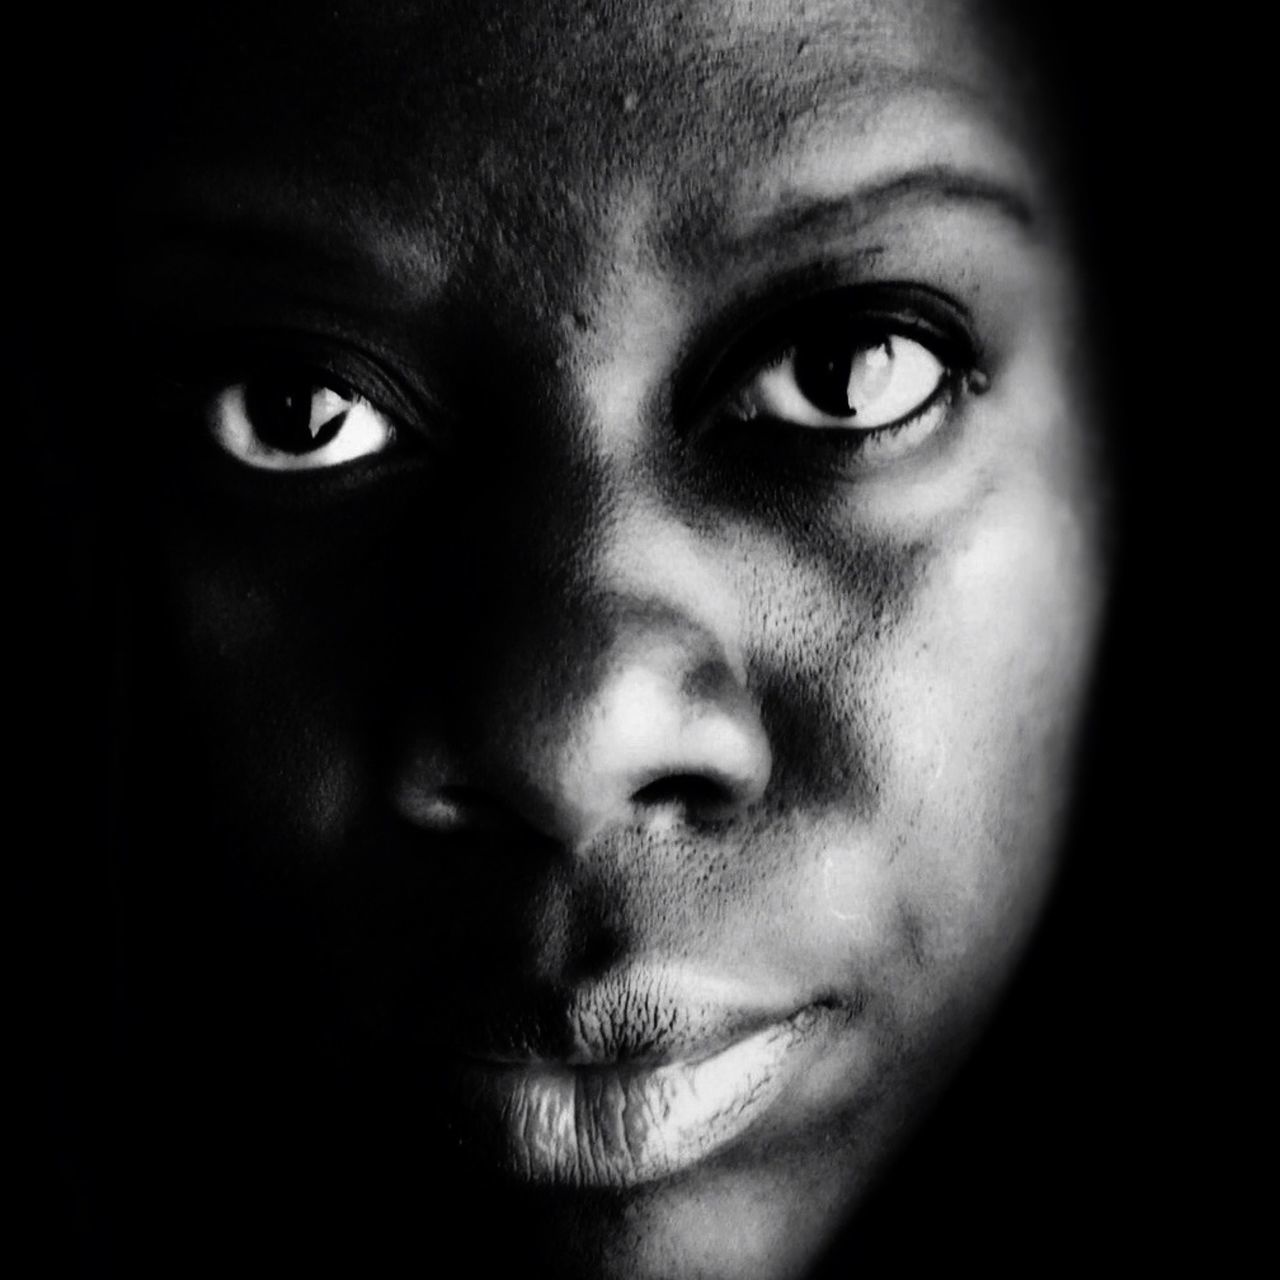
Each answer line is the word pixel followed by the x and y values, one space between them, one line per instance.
pixel 700 796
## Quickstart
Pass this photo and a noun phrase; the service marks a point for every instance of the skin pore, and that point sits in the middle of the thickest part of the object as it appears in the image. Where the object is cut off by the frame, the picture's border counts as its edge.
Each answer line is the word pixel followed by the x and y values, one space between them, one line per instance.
pixel 589 711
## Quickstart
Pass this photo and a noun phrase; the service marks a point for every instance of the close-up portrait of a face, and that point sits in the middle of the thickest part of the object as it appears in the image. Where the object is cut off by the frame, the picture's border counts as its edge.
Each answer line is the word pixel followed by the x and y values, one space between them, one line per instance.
pixel 608 513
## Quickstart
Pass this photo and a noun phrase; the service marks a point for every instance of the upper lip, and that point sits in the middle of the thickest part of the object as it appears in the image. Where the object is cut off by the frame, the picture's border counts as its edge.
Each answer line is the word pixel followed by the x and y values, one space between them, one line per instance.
pixel 643 1015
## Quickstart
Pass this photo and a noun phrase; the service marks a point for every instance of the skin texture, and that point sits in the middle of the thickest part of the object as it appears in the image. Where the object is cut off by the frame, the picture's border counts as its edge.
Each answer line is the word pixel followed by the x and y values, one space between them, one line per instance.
pixel 571 683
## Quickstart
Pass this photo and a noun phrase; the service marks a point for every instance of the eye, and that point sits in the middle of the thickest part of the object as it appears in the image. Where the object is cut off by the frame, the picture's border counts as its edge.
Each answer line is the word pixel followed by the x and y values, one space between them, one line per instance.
pixel 846 379
pixel 295 422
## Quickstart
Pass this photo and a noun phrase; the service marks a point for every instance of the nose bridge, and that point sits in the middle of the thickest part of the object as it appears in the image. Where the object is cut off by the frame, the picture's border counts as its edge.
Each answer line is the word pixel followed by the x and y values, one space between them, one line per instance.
pixel 664 584
pixel 581 573
pixel 633 646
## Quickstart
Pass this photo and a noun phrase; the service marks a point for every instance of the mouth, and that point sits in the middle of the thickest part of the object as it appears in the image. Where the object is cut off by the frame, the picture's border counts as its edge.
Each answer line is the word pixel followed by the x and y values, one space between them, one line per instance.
pixel 607 1114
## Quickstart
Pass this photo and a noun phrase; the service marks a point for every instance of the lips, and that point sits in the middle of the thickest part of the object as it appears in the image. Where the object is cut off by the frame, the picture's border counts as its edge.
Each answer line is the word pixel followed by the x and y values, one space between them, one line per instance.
pixel 638 1078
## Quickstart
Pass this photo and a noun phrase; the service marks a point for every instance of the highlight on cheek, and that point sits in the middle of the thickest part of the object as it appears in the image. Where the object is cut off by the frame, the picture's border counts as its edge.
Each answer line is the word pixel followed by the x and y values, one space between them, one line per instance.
pixel 844 890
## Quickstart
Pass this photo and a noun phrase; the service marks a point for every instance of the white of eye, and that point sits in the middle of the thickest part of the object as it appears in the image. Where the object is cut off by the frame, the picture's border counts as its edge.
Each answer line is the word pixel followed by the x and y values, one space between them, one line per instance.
pixel 336 428
pixel 882 385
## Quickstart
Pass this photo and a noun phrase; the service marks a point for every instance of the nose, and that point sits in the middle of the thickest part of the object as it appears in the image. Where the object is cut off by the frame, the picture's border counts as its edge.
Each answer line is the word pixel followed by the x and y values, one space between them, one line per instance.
pixel 629 707
pixel 668 726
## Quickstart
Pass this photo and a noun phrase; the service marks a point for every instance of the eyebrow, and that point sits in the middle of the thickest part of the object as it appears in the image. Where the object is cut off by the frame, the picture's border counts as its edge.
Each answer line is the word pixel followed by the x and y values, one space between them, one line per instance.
pixel 799 216
pixel 245 240
pixel 245 256
pixel 301 249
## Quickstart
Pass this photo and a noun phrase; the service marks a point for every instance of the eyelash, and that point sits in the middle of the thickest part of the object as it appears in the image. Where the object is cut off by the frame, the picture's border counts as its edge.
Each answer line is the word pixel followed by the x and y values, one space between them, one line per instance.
pixel 199 387
pixel 868 314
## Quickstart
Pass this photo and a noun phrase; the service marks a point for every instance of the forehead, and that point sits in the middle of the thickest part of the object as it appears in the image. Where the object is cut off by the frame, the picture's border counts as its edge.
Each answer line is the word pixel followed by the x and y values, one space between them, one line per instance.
pixel 554 95
pixel 535 154
pixel 543 50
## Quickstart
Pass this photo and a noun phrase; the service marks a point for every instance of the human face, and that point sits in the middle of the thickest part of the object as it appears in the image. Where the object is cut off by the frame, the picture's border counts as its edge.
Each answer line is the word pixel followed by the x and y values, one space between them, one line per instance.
pixel 657 695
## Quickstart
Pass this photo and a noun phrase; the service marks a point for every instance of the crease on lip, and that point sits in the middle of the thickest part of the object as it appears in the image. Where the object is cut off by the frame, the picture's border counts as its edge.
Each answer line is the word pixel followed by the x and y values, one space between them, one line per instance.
pixel 642 1016
pixel 607 1126
pixel 638 1063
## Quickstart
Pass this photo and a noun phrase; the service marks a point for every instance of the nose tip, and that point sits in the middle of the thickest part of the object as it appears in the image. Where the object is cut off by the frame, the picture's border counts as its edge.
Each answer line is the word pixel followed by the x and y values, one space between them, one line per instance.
pixel 654 745
pixel 655 736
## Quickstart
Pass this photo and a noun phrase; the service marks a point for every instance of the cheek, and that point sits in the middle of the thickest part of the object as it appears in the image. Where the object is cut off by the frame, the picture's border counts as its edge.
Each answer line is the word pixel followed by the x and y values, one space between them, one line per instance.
pixel 277 690
pixel 937 697
pixel 983 704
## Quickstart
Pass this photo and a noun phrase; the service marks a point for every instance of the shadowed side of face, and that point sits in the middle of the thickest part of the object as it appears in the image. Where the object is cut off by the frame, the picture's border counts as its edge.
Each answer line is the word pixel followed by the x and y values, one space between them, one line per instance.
pixel 630 565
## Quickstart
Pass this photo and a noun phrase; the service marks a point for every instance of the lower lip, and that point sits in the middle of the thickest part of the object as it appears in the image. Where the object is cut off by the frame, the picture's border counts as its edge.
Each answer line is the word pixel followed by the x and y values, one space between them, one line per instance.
pixel 622 1125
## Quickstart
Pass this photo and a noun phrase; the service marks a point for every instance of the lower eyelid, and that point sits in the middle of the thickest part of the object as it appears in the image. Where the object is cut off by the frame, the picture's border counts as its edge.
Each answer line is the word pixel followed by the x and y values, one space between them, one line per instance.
pixel 840 454
pixel 942 400
pixel 931 421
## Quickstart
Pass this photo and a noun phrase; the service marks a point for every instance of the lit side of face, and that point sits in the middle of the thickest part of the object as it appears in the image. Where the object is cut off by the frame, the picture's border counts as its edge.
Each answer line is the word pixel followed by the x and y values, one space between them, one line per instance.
pixel 636 567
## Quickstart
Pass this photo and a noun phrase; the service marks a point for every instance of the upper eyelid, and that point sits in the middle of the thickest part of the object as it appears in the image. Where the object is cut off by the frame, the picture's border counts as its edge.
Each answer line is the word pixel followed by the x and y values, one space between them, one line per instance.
pixel 742 346
pixel 206 364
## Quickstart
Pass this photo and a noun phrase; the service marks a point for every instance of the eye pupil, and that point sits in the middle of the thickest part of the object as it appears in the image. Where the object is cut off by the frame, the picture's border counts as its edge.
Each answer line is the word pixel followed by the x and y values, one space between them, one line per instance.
pixel 286 415
pixel 839 378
